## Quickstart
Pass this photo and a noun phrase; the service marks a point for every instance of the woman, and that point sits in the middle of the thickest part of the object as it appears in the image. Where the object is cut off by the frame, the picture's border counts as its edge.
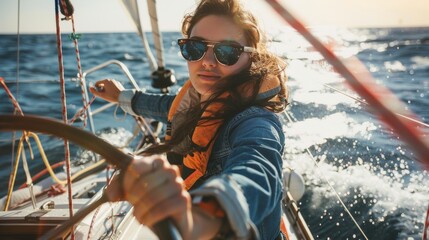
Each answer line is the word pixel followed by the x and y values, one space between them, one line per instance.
pixel 222 132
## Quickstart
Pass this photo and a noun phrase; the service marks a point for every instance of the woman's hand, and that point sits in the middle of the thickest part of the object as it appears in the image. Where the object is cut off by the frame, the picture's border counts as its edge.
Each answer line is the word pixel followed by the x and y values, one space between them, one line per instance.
pixel 155 188
pixel 107 89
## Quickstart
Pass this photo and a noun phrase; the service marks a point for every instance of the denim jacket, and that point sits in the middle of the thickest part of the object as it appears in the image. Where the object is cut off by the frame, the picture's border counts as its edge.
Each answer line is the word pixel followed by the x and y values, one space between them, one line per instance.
pixel 244 170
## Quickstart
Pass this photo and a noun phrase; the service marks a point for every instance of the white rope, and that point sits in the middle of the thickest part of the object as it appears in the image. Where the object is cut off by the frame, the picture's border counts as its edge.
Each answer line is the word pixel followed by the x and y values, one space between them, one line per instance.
pixel 29 181
pixel 157 37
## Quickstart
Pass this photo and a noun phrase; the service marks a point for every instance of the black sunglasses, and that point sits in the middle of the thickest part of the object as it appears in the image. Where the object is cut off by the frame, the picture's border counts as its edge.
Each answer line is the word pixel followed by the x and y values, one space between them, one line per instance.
pixel 226 53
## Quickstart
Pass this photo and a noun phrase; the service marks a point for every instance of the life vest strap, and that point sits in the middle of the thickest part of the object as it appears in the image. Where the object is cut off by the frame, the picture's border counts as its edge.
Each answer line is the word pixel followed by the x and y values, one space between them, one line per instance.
pixel 191 179
pixel 283 228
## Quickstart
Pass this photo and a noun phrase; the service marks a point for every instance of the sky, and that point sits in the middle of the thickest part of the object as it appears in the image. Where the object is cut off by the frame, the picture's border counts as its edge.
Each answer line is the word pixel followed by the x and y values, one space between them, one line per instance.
pixel 38 16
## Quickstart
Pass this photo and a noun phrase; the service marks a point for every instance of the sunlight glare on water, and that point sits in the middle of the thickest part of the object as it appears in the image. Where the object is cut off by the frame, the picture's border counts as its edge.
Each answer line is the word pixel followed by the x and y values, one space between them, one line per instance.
pixel 366 165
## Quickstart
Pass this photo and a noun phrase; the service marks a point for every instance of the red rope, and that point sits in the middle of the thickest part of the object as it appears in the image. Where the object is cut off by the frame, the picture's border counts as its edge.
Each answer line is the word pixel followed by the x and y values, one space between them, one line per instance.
pixel 11 97
pixel 82 110
pixel 42 173
pixel 64 109
pixel 79 68
pixel 91 226
pixel 383 102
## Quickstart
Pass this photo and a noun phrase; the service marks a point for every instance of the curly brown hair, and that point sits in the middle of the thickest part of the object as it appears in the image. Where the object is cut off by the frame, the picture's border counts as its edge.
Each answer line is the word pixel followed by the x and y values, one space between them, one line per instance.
pixel 264 66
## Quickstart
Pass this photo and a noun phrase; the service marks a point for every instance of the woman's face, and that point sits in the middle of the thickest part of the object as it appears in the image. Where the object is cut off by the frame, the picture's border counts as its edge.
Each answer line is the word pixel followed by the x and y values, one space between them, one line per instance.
pixel 206 72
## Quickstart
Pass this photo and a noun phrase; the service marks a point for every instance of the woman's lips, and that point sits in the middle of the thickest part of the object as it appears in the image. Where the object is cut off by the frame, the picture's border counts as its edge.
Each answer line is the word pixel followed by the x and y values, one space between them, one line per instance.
pixel 208 76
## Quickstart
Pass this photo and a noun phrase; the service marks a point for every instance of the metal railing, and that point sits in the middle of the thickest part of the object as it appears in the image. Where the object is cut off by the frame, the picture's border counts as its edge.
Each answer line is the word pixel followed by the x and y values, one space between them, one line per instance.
pixel 106 106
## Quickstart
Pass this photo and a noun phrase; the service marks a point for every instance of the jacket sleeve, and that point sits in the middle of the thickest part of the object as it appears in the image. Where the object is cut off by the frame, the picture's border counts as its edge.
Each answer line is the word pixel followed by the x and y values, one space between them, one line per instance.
pixel 149 105
pixel 250 183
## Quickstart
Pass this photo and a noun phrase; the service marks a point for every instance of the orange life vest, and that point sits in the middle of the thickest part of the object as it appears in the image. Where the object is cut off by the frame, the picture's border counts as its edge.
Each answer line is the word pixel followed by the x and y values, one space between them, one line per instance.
pixel 203 135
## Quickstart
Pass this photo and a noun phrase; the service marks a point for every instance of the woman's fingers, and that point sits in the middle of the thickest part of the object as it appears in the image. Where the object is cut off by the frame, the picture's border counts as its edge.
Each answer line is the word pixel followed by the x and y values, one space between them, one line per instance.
pixel 155 189
pixel 140 167
pixel 158 193
pixel 174 207
pixel 114 190
pixel 177 207
pixel 134 179
pixel 108 89
pixel 153 195
pixel 149 182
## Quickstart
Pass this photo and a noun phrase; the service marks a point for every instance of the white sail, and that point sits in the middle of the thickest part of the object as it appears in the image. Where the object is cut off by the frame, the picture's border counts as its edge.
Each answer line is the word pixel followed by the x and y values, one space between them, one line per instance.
pixel 133 11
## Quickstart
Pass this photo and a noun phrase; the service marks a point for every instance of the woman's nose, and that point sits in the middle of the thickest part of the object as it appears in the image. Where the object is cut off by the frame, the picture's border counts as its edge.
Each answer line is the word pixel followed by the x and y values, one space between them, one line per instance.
pixel 209 58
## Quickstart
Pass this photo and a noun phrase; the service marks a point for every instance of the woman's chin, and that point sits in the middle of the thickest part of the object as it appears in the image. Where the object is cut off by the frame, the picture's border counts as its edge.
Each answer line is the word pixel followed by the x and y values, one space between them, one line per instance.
pixel 204 89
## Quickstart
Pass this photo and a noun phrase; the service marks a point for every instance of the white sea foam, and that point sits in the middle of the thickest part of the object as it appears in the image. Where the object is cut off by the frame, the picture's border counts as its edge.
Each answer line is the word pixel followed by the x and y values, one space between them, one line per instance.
pixel 420 62
pixel 383 195
pixel 395 66
pixel 380 179
pixel 116 136
pixel 315 131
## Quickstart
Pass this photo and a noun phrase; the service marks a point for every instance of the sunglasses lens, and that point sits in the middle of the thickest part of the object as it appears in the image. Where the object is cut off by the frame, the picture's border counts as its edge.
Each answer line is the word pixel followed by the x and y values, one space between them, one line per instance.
pixel 227 54
pixel 192 50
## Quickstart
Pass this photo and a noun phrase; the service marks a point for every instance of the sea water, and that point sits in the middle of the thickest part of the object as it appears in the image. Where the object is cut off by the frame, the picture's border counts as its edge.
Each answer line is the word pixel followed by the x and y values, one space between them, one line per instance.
pixel 357 163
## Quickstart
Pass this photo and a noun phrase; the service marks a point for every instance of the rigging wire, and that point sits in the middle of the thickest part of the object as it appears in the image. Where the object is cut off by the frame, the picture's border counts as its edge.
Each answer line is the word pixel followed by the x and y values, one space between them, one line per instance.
pixel 366 104
pixel 64 109
pixel 18 44
pixel 287 115
pixel 36 81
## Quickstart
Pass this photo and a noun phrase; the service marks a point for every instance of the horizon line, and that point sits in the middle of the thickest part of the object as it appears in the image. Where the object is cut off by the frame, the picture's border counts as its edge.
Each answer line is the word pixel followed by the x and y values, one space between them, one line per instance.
pixel 178 31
